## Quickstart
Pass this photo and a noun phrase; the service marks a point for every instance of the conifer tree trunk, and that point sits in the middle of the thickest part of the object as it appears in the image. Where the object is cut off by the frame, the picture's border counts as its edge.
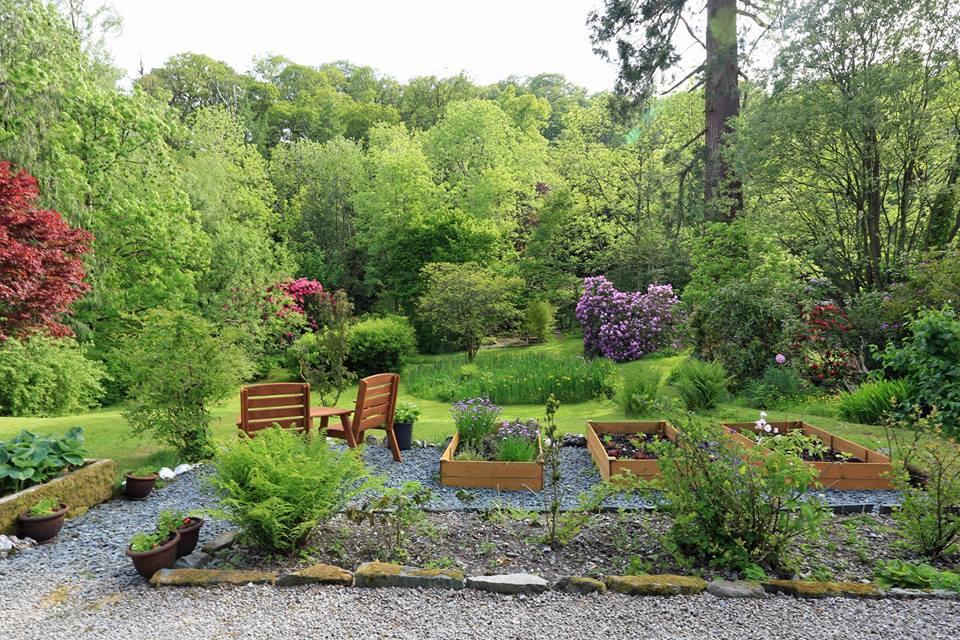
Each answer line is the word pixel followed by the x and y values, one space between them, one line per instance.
pixel 722 190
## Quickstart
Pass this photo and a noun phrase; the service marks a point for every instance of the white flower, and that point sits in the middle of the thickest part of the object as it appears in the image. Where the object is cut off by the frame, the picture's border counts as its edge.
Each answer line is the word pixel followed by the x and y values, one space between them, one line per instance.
pixel 763 415
pixel 775 430
pixel 767 428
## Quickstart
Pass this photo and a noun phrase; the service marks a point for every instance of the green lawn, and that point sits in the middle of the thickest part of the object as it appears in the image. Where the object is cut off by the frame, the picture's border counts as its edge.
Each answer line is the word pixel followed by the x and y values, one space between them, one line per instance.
pixel 108 434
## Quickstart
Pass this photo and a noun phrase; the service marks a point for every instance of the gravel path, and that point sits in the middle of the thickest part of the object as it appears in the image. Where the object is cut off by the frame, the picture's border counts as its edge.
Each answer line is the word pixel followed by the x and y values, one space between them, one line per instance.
pixel 578 472
pixel 331 612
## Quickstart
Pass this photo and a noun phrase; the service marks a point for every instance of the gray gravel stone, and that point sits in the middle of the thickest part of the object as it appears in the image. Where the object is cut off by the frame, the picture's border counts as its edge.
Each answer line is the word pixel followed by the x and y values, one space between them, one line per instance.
pixel 509 583
pixel 220 542
pixel 195 560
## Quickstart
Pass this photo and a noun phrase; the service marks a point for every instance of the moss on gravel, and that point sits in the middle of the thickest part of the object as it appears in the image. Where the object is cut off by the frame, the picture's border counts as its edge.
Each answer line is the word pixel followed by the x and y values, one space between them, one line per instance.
pixel 826 589
pixel 206 577
pixel 656 585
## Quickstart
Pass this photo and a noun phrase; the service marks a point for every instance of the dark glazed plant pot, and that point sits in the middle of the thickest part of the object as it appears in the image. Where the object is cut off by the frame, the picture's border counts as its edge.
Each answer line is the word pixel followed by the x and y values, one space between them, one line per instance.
pixel 139 487
pixel 148 563
pixel 404 433
pixel 43 528
pixel 188 537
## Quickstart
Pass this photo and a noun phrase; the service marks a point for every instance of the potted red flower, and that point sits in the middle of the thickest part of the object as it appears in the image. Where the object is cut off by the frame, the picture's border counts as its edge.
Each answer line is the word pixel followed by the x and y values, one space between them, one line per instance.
pixel 187 526
pixel 44 520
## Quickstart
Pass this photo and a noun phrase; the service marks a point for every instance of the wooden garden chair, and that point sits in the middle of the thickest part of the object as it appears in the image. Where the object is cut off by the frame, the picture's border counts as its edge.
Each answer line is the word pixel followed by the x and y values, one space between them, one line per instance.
pixel 283 403
pixel 376 401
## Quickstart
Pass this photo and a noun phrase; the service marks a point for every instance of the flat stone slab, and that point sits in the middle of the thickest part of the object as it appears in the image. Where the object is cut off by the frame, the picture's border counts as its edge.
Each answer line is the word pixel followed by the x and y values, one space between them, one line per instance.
pixel 206 577
pixel 385 574
pixel 657 585
pixel 195 560
pixel 220 542
pixel 579 584
pixel 509 583
pixel 317 574
pixel 736 589
pixel 826 589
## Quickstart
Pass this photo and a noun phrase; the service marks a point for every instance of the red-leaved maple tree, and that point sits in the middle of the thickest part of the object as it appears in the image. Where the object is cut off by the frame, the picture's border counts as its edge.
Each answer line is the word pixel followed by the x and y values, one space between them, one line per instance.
pixel 41 260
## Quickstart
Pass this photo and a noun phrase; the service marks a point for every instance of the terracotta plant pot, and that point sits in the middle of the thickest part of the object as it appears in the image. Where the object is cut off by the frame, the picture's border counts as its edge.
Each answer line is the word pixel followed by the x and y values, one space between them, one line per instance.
pixel 139 487
pixel 43 528
pixel 189 535
pixel 148 563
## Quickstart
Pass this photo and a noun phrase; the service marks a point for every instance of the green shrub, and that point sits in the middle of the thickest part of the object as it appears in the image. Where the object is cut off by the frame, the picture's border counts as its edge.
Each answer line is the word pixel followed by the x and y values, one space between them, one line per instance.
pixel 929 362
pixel 514 378
pixel 176 367
pixel 701 385
pixel 539 320
pixel 380 345
pixel 913 575
pixel 872 402
pixel 28 459
pixel 928 519
pixel 741 325
pixel 320 356
pixel 778 386
pixel 47 377
pixel 735 507
pixel 279 486
pixel 639 392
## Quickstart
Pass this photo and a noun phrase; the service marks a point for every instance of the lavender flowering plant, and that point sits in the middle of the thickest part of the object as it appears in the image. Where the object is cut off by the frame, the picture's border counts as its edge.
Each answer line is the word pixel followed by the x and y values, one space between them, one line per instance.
pixel 475 419
pixel 626 326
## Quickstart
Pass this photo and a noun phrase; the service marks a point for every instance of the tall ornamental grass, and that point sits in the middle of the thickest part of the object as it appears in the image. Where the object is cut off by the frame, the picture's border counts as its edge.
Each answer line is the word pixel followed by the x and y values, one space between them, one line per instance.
pixel 515 378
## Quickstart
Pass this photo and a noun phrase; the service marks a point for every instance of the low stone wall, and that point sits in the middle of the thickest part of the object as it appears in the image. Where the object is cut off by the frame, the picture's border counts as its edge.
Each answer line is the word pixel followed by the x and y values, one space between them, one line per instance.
pixel 80 489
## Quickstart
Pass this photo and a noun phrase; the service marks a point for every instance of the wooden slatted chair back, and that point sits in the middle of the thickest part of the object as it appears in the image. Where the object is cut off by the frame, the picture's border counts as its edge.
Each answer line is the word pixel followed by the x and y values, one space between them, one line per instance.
pixel 284 403
pixel 376 401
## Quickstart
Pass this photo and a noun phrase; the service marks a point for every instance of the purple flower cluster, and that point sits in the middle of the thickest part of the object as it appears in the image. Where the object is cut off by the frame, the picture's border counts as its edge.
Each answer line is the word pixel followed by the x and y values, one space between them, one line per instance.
pixel 475 418
pixel 623 325
pixel 527 429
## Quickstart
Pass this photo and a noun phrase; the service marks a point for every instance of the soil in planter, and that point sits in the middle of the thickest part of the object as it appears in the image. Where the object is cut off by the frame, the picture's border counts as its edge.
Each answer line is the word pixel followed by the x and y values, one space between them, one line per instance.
pixel 828 455
pixel 631 446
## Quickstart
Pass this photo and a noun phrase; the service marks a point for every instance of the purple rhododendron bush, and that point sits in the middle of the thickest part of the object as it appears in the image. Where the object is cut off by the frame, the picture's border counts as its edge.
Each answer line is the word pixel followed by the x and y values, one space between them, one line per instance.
pixel 626 325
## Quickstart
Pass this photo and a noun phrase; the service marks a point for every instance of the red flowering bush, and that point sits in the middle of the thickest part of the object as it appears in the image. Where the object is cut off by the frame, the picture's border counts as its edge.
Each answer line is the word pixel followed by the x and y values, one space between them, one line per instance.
pixel 824 345
pixel 41 260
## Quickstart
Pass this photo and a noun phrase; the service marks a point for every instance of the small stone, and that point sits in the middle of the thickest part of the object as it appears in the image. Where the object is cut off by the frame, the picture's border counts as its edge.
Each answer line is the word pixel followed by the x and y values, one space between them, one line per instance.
pixel 372 439
pixel 510 583
pixel 944 594
pixel 166 473
pixel 580 584
pixel 825 589
pixel 909 594
pixel 573 440
pixel 317 574
pixel 204 577
pixel 220 542
pixel 182 468
pixel 6 544
pixel 736 589
pixel 385 574
pixel 195 560
pixel 656 585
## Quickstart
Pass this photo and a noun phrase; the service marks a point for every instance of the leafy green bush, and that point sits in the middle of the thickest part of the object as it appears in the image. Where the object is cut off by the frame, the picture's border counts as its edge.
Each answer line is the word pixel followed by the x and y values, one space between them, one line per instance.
pixel 914 575
pixel 872 402
pixel 279 486
pixel 47 377
pixel 320 356
pixel 379 345
pixel 929 362
pixel 927 474
pixel 28 459
pixel 639 392
pixel 741 325
pixel 176 366
pixel 701 385
pixel 514 378
pixel 539 320
pixel 779 385
pixel 735 507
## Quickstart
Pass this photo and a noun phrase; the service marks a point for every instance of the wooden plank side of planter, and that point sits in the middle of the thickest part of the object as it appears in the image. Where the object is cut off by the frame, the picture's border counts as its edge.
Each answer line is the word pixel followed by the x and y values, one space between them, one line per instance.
pixel 81 489
pixel 506 476
pixel 869 474
pixel 611 467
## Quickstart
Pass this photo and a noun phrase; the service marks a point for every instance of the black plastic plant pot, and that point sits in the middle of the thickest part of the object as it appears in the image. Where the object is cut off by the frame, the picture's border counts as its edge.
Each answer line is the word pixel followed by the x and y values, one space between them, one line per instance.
pixel 404 433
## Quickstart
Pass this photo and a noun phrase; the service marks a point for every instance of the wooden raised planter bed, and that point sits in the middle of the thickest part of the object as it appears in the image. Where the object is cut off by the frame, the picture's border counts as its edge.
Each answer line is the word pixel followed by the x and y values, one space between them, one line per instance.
pixel 870 471
pixel 481 474
pixel 82 488
pixel 610 467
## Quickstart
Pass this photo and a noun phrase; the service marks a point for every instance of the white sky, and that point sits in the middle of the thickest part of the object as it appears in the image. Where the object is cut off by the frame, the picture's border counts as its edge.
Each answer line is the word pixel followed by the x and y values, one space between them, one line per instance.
pixel 488 39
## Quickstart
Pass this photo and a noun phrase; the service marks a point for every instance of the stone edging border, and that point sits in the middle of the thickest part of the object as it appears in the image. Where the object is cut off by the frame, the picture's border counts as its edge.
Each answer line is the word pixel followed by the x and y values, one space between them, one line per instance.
pixel 384 574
